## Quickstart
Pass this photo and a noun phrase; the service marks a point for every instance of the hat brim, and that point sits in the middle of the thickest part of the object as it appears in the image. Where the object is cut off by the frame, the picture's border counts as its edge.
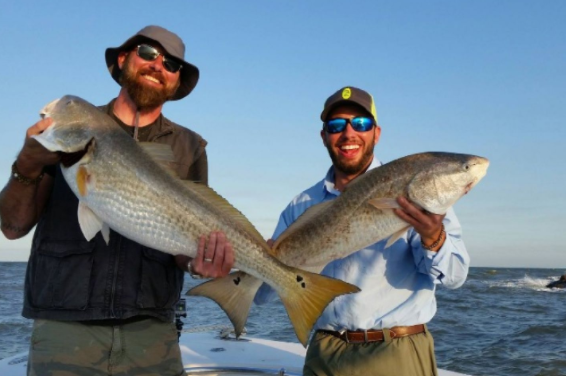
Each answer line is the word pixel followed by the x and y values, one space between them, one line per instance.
pixel 189 72
pixel 328 109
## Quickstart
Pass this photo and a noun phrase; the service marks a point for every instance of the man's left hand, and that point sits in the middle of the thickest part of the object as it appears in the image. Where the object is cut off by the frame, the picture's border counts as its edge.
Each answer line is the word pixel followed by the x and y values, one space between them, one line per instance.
pixel 426 224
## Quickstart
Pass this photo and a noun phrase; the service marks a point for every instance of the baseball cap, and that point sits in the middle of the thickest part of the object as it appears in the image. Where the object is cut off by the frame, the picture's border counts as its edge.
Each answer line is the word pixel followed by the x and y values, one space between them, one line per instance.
pixel 350 94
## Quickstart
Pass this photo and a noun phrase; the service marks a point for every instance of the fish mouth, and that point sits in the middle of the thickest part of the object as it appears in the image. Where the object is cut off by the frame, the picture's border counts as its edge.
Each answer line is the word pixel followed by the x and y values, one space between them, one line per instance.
pixel 478 169
pixel 48 108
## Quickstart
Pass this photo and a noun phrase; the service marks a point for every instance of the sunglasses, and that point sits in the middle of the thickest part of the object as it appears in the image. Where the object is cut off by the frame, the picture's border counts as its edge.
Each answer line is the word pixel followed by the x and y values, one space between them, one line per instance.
pixel 149 53
pixel 359 124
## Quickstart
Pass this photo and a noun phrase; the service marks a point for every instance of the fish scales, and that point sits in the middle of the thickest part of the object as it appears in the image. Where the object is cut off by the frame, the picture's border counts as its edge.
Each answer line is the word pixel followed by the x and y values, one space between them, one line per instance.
pixel 163 214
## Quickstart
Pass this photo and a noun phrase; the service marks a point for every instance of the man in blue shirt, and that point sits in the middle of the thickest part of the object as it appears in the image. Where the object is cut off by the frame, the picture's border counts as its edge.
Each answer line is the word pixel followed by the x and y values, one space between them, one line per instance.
pixel 382 329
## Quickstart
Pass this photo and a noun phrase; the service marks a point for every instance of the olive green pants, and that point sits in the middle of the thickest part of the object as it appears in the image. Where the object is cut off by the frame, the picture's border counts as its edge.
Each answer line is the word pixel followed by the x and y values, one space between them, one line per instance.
pixel 406 356
pixel 141 348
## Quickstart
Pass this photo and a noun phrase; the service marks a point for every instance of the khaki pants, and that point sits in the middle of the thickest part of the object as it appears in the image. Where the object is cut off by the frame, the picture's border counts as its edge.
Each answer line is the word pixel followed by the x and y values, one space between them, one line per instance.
pixel 141 348
pixel 406 356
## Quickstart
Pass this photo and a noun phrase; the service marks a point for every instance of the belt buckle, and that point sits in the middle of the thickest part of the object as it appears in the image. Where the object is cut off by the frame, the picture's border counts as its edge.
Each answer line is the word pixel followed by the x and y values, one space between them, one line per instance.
pixel 392 334
pixel 344 334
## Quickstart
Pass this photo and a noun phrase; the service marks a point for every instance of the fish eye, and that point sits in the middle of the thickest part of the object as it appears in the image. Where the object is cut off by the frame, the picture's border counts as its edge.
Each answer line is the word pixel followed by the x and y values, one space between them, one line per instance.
pixel 466 167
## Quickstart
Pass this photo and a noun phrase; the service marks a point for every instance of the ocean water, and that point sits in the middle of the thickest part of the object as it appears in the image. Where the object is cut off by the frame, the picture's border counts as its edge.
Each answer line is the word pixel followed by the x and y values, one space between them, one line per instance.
pixel 501 322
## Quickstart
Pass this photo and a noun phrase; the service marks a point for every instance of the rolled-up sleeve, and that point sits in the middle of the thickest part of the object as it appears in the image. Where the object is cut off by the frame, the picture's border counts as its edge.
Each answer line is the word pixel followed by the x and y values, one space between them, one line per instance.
pixel 449 266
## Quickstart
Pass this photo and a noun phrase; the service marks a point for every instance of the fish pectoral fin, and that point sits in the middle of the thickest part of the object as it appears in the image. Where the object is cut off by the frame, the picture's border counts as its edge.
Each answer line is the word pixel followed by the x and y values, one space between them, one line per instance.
pixel 384 203
pixel 307 299
pixel 396 236
pixel 162 154
pixel 89 222
pixel 234 294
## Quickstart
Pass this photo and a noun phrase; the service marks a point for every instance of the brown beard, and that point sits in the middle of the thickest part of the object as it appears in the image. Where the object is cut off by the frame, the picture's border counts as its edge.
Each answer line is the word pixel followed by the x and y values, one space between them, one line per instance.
pixel 351 169
pixel 145 97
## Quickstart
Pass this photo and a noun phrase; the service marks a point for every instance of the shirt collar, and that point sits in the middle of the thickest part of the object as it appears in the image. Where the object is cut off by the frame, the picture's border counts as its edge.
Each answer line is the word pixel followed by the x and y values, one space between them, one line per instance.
pixel 159 126
pixel 329 179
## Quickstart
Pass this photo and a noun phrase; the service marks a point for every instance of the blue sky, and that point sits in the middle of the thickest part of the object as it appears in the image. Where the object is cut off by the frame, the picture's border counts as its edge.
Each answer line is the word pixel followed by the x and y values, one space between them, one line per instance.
pixel 478 77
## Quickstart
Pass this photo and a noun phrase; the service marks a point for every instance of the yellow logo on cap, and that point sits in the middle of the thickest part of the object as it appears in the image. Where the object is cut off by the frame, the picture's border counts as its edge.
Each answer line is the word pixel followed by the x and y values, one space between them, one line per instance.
pixel 346 93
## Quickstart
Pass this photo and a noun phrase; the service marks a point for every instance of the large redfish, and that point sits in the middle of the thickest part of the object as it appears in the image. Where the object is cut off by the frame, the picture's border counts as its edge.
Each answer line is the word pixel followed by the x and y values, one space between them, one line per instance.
pixel 362 215
pixel 121 186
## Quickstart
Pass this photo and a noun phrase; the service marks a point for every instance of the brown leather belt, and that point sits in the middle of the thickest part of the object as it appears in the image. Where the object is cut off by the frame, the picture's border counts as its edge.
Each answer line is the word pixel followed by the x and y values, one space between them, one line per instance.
pixel 365 336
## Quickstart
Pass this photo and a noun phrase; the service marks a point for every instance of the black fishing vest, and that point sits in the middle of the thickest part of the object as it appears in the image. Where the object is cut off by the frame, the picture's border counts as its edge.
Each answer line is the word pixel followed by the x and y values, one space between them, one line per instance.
pixel 71 279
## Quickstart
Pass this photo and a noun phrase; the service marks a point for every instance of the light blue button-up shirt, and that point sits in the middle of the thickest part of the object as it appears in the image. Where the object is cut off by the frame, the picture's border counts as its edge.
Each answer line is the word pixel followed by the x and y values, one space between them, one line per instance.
pixel 397 284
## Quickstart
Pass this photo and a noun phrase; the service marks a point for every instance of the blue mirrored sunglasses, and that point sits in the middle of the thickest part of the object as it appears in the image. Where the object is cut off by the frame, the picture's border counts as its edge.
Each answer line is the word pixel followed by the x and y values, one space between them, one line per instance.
pixel 359 124
pixel 149 53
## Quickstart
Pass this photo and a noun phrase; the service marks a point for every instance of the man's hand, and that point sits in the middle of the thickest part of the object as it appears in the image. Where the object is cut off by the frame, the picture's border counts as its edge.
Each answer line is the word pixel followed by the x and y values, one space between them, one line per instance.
pixel 214 258
pixel 427 225
pixel 33 156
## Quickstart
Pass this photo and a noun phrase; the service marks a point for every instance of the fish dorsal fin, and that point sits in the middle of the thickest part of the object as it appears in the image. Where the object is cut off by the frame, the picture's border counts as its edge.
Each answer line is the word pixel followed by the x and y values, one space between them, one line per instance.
pixel 209 195
pixel 162 154
pixel 303 219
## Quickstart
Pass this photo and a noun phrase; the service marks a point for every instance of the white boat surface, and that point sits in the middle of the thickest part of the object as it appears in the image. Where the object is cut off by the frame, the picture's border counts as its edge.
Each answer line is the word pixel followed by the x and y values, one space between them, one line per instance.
pixel 209 351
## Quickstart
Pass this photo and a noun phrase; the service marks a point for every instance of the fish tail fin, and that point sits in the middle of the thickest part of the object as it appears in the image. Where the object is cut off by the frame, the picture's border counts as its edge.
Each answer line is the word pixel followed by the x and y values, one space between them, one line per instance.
pixel 305 302
pixel 234 294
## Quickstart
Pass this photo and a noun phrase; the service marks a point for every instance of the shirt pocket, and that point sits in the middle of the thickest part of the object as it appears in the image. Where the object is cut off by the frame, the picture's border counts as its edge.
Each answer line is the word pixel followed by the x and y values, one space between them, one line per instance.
pixel 62 274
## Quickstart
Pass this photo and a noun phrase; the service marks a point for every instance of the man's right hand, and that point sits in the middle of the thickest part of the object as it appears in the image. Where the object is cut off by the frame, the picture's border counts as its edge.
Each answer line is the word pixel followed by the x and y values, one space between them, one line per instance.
pixel 22 204
pixel 33 156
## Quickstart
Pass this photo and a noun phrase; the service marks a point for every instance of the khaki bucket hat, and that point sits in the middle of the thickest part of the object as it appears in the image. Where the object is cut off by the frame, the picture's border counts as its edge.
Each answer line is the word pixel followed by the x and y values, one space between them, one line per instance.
pixel 173 46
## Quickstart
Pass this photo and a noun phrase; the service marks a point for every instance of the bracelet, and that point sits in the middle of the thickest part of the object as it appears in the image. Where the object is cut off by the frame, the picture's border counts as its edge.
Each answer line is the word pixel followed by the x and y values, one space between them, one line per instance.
pixel 23 179
pixel 193 275
pixel 437 242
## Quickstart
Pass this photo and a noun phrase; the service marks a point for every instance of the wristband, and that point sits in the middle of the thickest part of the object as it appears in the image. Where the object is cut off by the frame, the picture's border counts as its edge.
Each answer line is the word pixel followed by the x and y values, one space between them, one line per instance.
pixel 23 179
pixel 436 243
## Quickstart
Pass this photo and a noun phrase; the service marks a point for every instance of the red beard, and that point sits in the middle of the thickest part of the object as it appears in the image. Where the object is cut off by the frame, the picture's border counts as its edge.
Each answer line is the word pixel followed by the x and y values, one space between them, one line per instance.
pixel 146 96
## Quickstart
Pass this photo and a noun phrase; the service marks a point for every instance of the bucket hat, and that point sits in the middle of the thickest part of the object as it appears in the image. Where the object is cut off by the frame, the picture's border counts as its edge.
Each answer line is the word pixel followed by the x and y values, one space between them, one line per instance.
pixel 173 46
pixel 350 94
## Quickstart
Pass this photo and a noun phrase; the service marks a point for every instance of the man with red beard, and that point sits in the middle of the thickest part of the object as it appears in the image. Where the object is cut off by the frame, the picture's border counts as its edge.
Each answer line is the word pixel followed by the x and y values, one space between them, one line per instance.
pixel 103 309
pixel 380 331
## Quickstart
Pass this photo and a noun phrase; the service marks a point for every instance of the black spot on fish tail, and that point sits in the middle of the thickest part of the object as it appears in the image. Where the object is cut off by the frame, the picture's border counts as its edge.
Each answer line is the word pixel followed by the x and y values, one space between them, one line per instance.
pixel 237 281
pixel 304 285
pixel 299 278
